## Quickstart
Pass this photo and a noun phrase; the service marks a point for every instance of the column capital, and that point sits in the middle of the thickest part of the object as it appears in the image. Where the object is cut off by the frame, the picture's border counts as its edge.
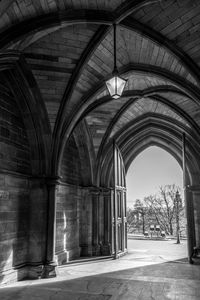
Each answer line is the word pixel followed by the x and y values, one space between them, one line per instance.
pixel 47 179
pixel 94 190
pixel 52 180
pixel 100 190
pixel 106 191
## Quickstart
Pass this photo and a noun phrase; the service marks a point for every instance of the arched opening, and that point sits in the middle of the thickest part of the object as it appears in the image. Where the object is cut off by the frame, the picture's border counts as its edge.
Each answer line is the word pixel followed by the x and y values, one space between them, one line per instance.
pixel 151 130
pixel 152 168
pixel 74 199
pixel 155 211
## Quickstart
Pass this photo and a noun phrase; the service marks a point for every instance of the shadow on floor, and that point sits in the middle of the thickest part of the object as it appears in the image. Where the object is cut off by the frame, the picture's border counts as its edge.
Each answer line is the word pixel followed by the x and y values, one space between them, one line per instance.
pixel 169 280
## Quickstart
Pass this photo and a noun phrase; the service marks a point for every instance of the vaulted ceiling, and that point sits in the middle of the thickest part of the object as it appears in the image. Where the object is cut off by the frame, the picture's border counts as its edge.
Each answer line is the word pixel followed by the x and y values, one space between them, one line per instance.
pixel 67 46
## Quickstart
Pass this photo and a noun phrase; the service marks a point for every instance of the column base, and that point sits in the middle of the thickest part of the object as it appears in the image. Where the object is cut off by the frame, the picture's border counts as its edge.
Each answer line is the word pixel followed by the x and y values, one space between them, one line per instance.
pixel 65 256
pixel 49 270
pixel 34 272
pixel 86 250
pixel 12 275
pixel 106 249
pixel 96 250
pixel 62 257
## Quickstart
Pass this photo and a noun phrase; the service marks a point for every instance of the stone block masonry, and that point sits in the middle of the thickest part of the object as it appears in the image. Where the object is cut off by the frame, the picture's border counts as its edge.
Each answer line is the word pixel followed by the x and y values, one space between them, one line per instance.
pixel 14 224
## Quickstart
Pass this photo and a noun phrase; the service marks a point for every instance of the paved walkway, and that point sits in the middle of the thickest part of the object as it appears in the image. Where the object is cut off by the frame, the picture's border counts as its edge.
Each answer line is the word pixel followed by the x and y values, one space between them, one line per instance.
pixel 148 272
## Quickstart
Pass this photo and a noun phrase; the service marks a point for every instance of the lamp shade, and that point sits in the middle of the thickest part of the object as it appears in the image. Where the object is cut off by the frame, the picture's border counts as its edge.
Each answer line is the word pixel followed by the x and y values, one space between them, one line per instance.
pixel 115 86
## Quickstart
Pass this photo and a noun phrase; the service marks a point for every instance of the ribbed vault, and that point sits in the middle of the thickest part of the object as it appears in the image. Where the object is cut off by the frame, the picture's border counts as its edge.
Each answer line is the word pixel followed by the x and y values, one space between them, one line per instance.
pixel 67 48
pixel 58 122
pixel 149 130
pixel 55 56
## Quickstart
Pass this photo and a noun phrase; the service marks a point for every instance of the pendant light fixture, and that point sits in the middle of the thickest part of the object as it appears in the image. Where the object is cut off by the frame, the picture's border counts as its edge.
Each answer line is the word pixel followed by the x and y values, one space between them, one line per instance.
pixel 116 84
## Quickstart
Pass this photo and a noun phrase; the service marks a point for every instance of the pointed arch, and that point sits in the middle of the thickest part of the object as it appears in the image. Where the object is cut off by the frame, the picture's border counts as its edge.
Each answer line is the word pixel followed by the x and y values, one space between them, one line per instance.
pixel 24 88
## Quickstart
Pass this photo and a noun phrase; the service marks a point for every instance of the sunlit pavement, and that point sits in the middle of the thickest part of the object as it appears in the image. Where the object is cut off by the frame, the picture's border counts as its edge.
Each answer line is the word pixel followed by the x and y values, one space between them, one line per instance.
pixel 155 270
pixel 164 250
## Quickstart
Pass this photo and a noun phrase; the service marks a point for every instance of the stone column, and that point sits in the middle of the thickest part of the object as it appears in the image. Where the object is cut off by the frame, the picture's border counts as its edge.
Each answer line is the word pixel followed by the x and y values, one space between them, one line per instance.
pixel 188 195
pixel 37 226
pixel 86 223
pixel 49 269
pixel 112 206
pixel 196 201
pixel 123 216
pixel 107 223
pixel 188 203
pixel 95 222
pixel 101 220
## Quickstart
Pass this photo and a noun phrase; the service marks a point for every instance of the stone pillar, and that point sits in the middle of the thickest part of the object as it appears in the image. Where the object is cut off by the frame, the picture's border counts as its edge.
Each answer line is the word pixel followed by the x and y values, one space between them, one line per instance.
pixel 112 213
pixel 68 220
pixel 101 220
pixel 106 249
pixel 95 222
pixel 123 216
pixel 196 201
pixel 37 226
pixel 86 223
pixel 188 195
pixel 49 269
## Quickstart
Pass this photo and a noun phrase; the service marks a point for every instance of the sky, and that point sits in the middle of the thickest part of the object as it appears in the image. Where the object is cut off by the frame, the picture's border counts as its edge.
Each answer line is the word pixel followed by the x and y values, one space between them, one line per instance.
pixel 150 169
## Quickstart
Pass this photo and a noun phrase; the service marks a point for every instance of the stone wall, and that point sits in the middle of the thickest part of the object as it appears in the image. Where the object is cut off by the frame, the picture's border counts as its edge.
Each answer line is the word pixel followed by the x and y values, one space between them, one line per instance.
pixel 67 222
pixel 82 222
pixel 14 146
pixel 196 199
pixel 70 170
pixel 74 208
pixel 14 225
pixel 14 189
pixel 86 221
pixel 37 222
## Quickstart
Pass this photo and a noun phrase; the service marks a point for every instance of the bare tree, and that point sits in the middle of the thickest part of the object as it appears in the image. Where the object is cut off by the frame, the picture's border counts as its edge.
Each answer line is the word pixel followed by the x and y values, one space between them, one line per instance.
pixel 160 209
pixel 163 207
pixel 136 216
pixel 140 212
pixel 131 222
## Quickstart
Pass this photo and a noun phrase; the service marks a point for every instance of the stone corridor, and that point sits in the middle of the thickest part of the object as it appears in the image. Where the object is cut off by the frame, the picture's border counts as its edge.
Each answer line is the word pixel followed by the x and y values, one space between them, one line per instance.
pixel 136 276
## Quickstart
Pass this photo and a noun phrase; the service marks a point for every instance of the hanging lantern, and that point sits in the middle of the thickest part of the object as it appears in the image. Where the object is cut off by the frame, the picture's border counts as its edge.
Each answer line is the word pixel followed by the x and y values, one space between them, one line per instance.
pixel 116 84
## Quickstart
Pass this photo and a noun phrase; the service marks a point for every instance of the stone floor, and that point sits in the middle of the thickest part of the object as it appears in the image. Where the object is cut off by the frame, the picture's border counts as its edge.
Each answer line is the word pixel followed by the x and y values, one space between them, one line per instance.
pixel 149 271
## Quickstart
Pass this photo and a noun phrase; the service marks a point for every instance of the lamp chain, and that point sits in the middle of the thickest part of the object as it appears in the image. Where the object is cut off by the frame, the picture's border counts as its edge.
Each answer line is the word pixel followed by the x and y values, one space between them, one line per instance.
pixel 115 59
